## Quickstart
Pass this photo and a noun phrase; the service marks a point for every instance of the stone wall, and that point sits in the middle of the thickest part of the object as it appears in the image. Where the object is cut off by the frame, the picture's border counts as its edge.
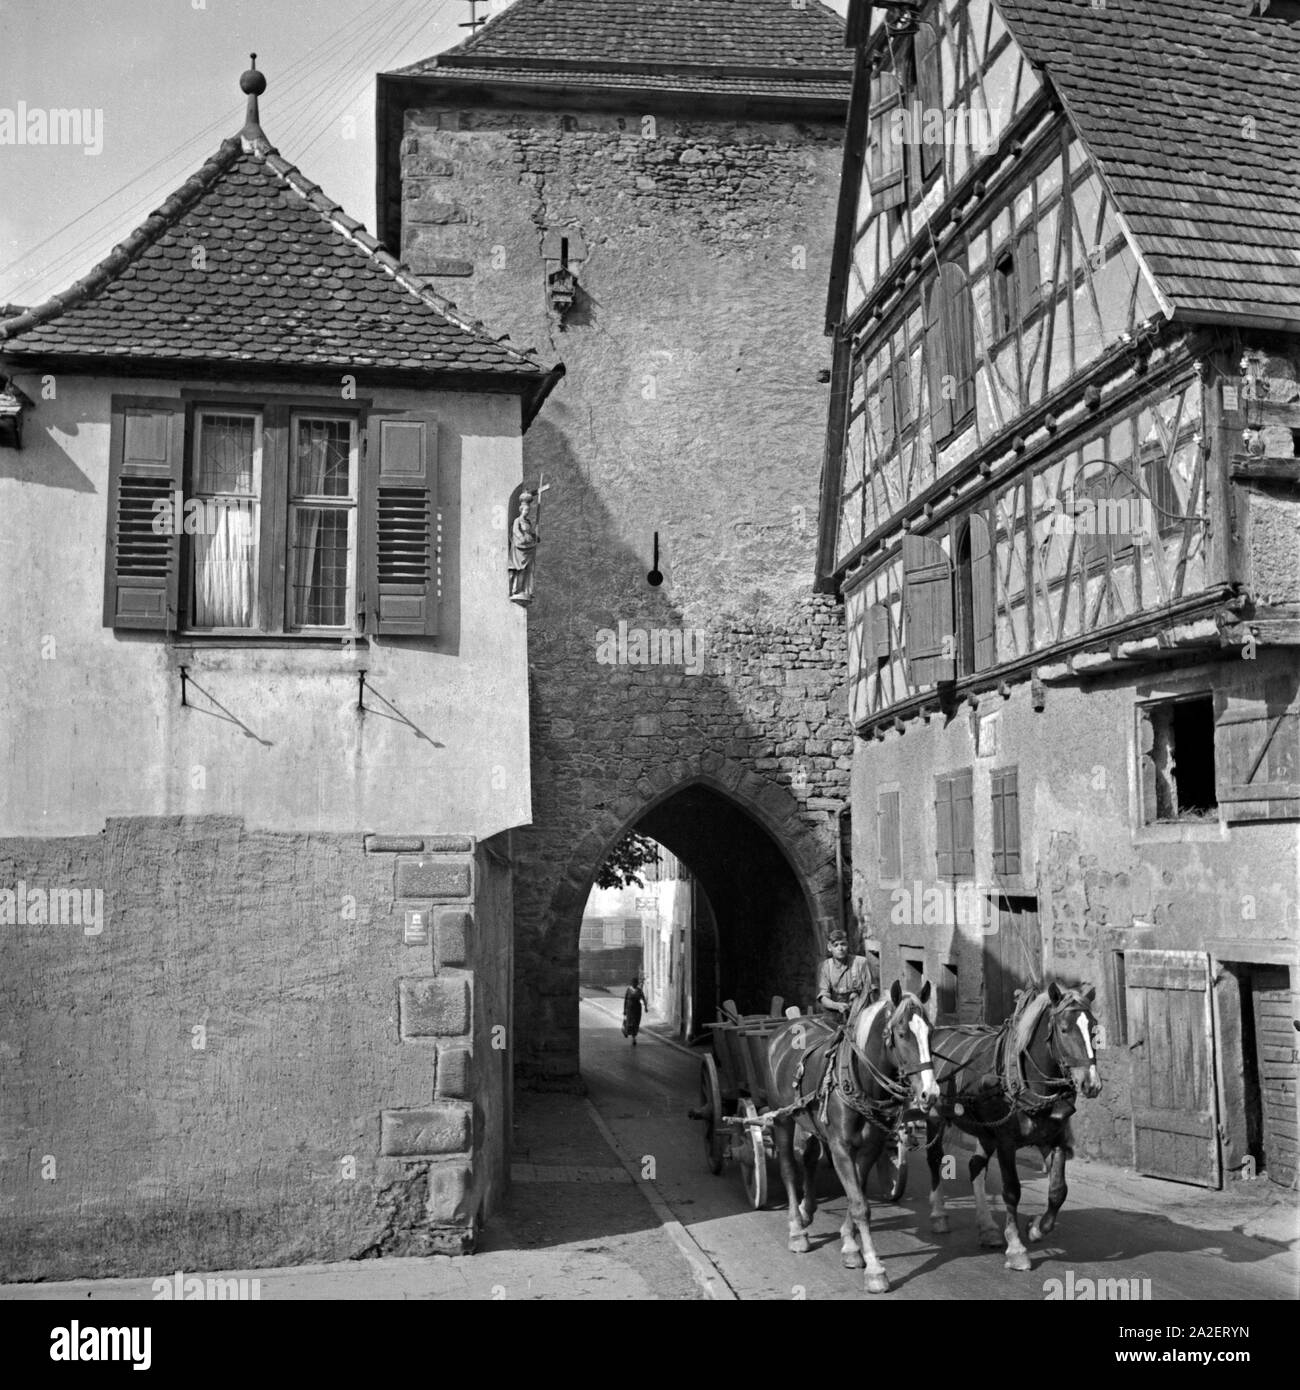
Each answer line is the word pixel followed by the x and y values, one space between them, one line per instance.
pixel 246 1059
pixel 692 411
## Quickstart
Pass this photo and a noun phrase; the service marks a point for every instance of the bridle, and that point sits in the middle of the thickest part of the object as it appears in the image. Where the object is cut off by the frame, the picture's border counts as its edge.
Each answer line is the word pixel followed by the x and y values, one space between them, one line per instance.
pixel 1062 1083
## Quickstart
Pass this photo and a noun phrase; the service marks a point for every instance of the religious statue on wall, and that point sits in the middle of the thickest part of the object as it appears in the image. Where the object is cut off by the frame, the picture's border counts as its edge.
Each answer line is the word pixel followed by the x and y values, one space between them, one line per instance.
pixel 524 539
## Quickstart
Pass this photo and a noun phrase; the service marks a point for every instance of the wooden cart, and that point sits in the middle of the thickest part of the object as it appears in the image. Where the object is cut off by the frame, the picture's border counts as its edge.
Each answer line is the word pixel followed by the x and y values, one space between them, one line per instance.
pixel 736 1090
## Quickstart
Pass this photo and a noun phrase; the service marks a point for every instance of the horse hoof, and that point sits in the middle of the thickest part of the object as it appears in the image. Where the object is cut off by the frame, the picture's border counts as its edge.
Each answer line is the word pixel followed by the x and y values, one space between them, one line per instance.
pixel 939 1225
pixel 878 1283
pixel 1035 1232
pixel 991 1239
pixel 1019 1261
pixel 799 1245
pixel 853 1260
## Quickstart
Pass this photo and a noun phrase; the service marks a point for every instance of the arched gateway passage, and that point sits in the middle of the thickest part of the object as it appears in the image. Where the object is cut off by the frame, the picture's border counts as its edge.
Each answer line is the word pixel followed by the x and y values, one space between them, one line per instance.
pixel 770 883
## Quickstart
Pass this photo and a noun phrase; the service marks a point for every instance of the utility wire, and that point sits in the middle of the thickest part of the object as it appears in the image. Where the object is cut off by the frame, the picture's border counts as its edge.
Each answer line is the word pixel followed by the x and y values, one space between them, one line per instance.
pixel 302 71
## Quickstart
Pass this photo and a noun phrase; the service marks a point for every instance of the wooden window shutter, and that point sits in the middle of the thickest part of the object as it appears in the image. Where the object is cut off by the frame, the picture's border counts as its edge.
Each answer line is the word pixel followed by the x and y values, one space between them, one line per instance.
pixel 959 338
pixel 1006 820
pixel 929 89
pixel 889 831
pixel 885 164
pixel 936 364
pixel 1028 276
pixel 888 426
pixel 1257 751
pixel 981 575
pixel 142 567
pixel 963 825
pixel 927 607
pixel 878 631
pixel 943 827
pixel 401 559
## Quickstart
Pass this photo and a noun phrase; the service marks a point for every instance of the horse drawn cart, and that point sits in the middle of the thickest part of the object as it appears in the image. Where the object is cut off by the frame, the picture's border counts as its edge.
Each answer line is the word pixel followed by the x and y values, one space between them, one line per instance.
pixel 736 1093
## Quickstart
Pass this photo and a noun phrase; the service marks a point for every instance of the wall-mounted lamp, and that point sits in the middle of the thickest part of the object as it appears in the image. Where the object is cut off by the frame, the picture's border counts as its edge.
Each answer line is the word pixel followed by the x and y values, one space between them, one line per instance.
pixel 13 404
pixel 562 250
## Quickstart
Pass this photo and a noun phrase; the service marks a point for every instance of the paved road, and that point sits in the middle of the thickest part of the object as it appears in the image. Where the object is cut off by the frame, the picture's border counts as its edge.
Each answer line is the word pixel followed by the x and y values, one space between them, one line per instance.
pixel 643 1094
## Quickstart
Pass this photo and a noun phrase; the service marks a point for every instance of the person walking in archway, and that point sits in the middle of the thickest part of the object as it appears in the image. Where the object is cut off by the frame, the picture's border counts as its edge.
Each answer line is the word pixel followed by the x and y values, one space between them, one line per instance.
pixel 633 1004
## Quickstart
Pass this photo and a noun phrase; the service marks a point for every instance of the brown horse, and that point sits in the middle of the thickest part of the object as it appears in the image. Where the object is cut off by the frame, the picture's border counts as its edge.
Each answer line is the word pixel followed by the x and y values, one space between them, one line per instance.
pixel 1013 1087
pixel 883 1060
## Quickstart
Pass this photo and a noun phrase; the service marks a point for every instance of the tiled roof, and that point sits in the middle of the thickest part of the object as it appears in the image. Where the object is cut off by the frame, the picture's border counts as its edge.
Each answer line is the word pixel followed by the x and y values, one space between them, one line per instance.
pixel 1191 111
pixel 689 45
pixel 829 89
pixel 285 277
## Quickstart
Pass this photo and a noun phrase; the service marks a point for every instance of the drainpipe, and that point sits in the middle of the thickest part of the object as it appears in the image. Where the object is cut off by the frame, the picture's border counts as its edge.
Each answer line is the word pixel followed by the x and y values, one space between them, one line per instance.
pixel 839 862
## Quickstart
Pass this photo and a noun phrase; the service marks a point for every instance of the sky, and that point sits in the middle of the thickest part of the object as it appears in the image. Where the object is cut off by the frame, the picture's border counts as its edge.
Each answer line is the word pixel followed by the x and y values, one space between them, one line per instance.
pixel 159 81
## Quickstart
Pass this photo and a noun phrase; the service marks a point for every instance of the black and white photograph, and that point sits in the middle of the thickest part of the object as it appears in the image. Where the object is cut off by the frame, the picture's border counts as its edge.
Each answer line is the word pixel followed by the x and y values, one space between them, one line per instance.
pixel 651 652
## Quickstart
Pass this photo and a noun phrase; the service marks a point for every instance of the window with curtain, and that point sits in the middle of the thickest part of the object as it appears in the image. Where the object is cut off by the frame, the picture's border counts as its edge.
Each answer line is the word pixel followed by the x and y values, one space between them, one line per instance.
pixel 322 522
pixel 228 481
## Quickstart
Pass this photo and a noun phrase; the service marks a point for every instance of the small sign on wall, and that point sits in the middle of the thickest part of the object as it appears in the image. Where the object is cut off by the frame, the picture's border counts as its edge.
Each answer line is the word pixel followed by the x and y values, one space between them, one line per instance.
pixel 988 736
pixel 417 926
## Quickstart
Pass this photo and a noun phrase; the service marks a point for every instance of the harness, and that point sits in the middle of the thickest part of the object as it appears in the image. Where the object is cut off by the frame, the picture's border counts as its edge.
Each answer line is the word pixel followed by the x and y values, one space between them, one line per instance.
pixel 1024 1097
pixel 840 1053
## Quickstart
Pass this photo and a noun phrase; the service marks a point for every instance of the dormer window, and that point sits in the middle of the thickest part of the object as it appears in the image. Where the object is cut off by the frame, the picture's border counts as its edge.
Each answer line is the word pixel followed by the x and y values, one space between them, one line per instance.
pixel 233 518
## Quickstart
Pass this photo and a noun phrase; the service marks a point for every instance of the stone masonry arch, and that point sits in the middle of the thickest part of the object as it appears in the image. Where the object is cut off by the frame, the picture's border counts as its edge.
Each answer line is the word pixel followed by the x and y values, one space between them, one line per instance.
pixel 810 857
pixel 776 948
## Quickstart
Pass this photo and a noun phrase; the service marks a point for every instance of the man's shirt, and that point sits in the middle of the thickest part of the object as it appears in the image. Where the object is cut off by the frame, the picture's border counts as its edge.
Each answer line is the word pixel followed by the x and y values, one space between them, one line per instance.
pixel 840 981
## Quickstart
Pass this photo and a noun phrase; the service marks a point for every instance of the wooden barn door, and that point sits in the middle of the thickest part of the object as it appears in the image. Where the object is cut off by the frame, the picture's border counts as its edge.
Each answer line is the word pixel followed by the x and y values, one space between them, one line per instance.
pixel 1013 956
pixel 1275 1043
pixel 1171 1033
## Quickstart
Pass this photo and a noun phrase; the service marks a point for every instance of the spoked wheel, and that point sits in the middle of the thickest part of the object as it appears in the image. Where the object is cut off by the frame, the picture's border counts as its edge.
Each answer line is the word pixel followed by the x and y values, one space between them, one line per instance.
pixel 753 1157
pixel 711 1112
pixel 891 1167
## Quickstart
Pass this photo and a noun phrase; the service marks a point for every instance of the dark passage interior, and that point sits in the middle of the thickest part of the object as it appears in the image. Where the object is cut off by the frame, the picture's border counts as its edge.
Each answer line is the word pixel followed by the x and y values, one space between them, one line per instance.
pixel 746 933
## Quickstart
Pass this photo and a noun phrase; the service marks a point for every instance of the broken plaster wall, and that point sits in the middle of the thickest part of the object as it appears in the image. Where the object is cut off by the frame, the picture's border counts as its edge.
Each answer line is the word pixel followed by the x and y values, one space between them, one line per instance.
pixel 1103 882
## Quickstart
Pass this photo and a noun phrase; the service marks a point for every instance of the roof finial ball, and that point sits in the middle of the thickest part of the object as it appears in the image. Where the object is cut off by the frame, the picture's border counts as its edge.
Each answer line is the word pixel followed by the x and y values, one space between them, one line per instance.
pixel 253 84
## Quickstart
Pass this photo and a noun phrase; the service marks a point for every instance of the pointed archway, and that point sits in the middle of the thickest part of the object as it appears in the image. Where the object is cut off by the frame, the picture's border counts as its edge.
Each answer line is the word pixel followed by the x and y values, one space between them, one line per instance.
pixel 770 877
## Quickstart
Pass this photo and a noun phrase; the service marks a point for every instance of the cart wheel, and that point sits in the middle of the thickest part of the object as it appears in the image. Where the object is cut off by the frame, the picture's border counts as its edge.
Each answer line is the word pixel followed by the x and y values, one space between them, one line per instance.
pixel 711 1108
pixel 753 1157
pixel 891 1167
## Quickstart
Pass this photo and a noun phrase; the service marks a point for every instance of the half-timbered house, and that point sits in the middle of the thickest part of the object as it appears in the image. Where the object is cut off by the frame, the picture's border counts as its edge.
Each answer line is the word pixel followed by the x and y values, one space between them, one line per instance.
pixel 1060 504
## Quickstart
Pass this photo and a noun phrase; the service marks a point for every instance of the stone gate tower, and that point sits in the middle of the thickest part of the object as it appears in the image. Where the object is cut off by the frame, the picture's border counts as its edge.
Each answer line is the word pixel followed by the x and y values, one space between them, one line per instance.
pixel 651 189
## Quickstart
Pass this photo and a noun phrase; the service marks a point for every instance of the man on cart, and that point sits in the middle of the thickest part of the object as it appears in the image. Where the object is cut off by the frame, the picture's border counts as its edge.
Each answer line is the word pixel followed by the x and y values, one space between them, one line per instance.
pixel 843 977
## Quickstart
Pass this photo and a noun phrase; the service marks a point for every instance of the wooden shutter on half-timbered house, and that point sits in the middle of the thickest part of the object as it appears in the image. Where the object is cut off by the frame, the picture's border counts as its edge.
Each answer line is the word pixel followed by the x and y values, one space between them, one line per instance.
pixel 981 576
pixel 401 553
pixel 142 561
pixel 1257 750
pixel 1175 1099
pixel 928 611
pixel 885 154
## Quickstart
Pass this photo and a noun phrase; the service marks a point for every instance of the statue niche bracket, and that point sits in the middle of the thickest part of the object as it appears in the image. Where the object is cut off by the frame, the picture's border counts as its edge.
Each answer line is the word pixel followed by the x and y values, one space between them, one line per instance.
pixel 523 539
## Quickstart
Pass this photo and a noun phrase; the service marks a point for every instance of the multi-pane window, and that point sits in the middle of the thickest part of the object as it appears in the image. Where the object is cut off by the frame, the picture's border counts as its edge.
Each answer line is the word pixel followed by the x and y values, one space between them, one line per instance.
pixel 223 549
pixel 322 523
pixel 282 529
